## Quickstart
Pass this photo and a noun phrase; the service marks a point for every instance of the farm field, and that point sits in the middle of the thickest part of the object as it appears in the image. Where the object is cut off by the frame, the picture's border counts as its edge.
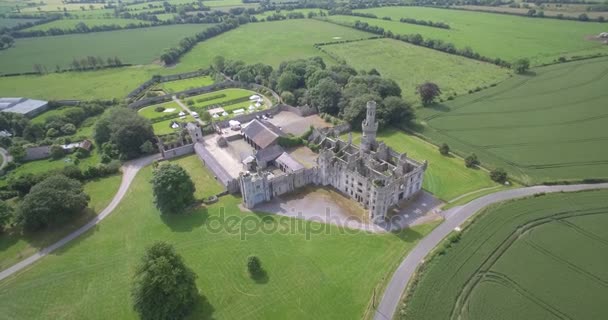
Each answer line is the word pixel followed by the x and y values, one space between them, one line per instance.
pixel 136 46
pixel 482 276
pixel 9 22
pixel 446 177
pixel 305 278
pixel 100 84
pixel 494 35
pixel 545 127
pixel 67 24
pixel 455 75
pixel 270 43
pixel 185 84
pixel 567 10
pixel 16 247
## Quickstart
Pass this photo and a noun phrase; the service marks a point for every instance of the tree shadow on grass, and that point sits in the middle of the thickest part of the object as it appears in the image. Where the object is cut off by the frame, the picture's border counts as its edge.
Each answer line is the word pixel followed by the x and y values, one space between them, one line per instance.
pixel 408 235
pixel 260 277
pixel 440 107
pixel 187 221
pixel 202 310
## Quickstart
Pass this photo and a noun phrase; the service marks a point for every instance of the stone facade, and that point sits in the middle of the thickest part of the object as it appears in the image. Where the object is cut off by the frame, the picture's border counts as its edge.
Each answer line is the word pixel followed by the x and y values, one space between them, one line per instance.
pixel 372 174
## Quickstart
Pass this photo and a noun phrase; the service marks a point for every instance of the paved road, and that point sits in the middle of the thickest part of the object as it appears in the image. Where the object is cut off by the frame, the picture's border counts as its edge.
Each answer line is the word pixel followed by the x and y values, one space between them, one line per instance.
pixel 6 158
pixel 129 170
pixel 185 107
pixel 453 218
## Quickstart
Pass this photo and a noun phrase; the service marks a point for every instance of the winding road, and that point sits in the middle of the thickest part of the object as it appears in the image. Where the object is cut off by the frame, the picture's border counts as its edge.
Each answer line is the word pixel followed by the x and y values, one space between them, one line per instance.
pixel 454 218
pixel 129 170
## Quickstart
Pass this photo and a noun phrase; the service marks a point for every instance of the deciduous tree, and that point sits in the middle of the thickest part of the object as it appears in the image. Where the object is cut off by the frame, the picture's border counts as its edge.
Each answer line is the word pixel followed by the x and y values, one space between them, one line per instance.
pixel 173 189
pixel 428 92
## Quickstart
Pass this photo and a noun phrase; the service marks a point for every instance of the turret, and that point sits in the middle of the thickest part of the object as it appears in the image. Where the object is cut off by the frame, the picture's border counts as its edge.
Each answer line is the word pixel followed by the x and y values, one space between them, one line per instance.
pixel 369 128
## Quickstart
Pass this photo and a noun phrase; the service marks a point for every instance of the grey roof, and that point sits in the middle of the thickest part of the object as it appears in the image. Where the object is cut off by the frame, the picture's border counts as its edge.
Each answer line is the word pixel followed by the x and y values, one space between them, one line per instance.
pixel 35 153
pixel 288 162
pixel 262 133
pixel 268 154
pixel 21 105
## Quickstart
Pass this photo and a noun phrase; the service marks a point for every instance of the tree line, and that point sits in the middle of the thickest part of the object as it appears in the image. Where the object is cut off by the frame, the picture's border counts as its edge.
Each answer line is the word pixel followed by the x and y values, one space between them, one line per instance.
pixel 82 64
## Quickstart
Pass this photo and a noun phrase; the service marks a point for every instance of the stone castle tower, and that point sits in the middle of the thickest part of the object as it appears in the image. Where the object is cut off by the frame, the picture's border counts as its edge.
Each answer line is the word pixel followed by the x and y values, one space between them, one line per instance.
pixel 369 127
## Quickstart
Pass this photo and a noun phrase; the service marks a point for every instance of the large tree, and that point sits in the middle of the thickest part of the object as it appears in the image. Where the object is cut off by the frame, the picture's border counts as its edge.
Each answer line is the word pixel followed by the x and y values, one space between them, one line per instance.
pixel 428 92
pixel 521 65
pixel 53 200
pixel 124 129
pixel 163 286
pixel 6 214
pixel 395 111
pixel 325 96
pixel 173 188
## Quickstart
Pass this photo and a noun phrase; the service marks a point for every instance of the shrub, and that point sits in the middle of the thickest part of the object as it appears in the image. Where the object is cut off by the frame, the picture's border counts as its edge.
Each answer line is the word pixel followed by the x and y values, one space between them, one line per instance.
pixel 57 152
pixel 159 109
pixel 444 149
pixel 254 266
pixel 471 161
pixel 499 175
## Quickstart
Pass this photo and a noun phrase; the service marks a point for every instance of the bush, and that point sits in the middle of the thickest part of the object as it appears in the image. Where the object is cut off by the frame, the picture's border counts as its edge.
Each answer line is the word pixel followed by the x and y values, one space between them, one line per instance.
pixel 444 149
pixel 499 175
pixel 159 109
pixel 471 161
pixel 254 266
pixel 57 152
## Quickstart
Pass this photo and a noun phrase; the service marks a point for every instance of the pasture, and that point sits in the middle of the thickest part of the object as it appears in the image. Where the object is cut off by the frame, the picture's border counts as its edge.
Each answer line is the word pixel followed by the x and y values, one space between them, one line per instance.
pixel 16 246
pixel 305 278
pixel 560 237
pixel 70 24
pixel 549 126
pixel 394 59
pixel 494 35
pixel 135 46
pixel 445 177
pixel 270 43
pixel 185 84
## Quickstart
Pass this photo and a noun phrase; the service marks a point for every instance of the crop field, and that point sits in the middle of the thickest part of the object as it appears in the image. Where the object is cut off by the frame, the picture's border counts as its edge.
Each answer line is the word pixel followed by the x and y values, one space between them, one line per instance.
pixel 185 84
pixel 305 278
pixel 16 246
pixel 547 127
pixel 455 75
pixel 494 35
pixel 445 177
pixel 67 24
pixel 537 258
pixel 270 43
pixel 137 46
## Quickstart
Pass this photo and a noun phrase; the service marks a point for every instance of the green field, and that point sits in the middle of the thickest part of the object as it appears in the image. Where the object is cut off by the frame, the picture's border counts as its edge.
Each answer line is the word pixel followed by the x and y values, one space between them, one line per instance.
pixel 150 112
pixel 185 84
pixel 446 177
pixel 270 43
pixel 9 22
pixel 546 127
pixel 494 35
pixel 67 24
pixel 537 258
pixel 15 247
pixel 394 59
pixel 136 46
pixel 89 85
pixel 200 176
pixel 90 277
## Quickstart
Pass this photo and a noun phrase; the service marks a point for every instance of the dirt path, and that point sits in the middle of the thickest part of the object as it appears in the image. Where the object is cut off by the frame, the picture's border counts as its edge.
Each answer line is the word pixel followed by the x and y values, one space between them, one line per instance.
pixel 129 170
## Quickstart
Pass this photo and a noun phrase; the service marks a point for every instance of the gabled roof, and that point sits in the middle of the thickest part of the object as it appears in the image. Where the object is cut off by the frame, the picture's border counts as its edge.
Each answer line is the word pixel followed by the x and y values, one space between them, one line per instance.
pixel 268 154
pixel 288 162
pixel 262 133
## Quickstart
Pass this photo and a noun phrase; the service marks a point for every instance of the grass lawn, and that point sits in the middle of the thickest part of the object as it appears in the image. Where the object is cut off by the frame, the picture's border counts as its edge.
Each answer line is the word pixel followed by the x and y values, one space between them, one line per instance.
pixel 270 43
pixel 150 112
pixel 203 179
pixel 550 126
pixel 185 84
pixel 136 46
pixel 394 59
pixel 68 24
pixel 15 247
pixel 561 237
pixel 41 118
pixel 331 275
pixel 494 35
pixel 229 94
pixel 445 177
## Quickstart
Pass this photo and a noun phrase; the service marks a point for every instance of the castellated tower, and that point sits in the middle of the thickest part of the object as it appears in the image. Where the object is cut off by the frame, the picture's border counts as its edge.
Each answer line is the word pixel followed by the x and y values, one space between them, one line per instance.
pixel 369 128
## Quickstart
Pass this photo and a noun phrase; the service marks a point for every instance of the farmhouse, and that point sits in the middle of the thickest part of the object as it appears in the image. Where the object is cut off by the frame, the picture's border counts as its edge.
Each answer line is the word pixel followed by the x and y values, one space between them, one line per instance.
pixel 24 106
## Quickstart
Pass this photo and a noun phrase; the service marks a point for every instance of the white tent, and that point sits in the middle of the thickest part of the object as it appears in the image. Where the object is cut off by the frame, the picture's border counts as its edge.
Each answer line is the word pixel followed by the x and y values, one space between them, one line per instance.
pixel 238 111
pixel 257 105
pixel 254 97
pixel 174 125
pixel 251 107
pixel 224 113
pixel 181 114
